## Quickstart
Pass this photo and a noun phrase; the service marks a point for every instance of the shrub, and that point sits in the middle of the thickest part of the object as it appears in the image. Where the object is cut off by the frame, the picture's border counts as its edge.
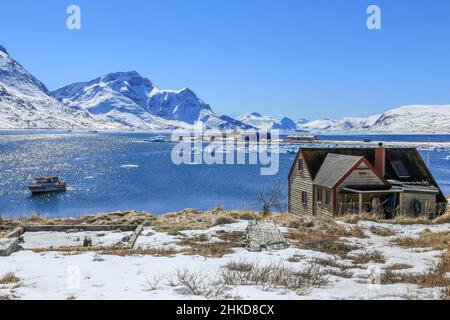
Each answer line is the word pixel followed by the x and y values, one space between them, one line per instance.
pixel 273 275
pixel 9 278
pixel 372 256
pixel 399 266
pixel 427 239
pixel 330 246
pixel 209 249
pixel 382 232
pixel 223 220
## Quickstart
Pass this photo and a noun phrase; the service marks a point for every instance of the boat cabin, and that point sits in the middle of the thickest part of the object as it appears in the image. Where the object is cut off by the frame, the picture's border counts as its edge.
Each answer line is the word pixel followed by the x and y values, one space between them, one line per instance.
pixel 47 180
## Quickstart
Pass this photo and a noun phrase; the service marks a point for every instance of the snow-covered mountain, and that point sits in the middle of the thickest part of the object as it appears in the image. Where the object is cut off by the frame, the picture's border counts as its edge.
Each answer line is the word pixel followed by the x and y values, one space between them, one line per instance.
pixel 135 102
pixel 122 100
pixel 406 119
pixel 414 119
pixel 347 124
pixel 267 123
pixel 26 103
pixel 126 100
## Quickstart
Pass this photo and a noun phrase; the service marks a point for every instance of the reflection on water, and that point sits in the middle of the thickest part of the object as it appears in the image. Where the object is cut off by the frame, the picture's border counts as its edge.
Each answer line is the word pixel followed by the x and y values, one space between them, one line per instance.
pixel 107 172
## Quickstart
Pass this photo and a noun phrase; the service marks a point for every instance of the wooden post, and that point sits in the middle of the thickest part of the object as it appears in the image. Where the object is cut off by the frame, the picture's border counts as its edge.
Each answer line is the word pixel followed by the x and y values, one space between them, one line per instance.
pixel 360 202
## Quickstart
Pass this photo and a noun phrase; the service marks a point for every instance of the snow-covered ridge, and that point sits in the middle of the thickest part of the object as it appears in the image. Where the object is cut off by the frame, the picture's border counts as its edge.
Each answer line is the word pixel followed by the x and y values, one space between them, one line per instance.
pixel 26 103
pixel 135 102
pixel 120 101
pixel 126 100
pixel 406 119
pixel 415 118
pixel 267 123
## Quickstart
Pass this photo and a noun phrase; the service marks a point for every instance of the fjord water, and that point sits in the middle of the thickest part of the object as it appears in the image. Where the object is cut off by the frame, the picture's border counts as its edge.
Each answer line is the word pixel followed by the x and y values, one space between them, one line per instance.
pixel 121 171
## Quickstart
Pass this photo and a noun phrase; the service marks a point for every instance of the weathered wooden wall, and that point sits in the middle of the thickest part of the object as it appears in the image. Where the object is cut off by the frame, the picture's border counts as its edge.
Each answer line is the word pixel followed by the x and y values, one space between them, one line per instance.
pixel 300 182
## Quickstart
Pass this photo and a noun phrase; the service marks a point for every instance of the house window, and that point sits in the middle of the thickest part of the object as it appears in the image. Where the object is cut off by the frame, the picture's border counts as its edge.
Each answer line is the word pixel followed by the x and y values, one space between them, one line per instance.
pixel 328 198
pixel 304 198
pixel 319 195
pixel 400 169
pixel 300 166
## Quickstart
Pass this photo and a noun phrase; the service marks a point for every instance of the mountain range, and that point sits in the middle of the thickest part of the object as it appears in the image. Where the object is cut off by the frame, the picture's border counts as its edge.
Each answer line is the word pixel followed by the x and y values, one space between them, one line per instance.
pixel 128 101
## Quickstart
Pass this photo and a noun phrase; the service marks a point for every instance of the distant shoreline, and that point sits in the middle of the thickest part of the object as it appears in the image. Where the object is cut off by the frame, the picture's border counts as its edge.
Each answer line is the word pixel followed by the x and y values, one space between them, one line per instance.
pixel 327 133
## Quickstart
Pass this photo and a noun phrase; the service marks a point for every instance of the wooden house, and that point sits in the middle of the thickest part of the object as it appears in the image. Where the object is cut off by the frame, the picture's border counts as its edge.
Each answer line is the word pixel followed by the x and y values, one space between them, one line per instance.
pixel 337 181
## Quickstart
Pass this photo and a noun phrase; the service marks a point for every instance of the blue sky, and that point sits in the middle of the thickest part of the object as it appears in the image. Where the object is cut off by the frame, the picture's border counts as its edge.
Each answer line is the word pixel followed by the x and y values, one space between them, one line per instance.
pixel 295 58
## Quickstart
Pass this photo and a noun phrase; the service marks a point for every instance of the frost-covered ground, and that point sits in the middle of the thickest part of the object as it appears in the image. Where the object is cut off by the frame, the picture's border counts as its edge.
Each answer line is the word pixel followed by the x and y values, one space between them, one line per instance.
pixel 91 275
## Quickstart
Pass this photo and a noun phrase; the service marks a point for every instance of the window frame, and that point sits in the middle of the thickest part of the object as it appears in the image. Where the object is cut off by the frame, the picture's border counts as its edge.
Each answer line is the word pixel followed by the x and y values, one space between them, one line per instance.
pixel 300 166
pixel 319 196
pixel 328 197
pixel 304 198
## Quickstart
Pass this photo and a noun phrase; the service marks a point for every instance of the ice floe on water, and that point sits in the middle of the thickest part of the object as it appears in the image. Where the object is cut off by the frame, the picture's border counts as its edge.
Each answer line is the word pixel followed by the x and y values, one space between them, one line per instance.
pixel 129 166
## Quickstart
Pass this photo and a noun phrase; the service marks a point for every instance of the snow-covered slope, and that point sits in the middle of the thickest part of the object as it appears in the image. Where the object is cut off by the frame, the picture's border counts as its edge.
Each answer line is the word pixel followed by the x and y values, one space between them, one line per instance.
pixel 266 123
pixel 414 119
pixel 133 101
pixel 25 102
pixel 347 124
pixel 406 119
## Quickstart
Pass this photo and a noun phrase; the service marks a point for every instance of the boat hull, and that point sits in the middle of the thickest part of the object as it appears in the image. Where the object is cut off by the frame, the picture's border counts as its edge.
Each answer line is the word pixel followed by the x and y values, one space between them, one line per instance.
pixel 46 189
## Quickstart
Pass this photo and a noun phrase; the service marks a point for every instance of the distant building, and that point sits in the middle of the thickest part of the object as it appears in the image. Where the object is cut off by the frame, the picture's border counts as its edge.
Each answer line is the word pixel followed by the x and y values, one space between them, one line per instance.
pixel 335 181
pixel 301 138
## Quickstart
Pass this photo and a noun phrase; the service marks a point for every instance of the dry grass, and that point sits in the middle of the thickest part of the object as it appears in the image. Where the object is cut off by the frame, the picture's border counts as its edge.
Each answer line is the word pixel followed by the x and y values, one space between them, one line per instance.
pixel 115 251
pixel 399 266
pixel 325 241
pixel 334 267
pixel 434 277
pixel 209 249
pixel 7 225
pixel 444 262
pixel 445 293
pixel 233 236
pixel 191 219
pixel 445 218
pixel 294 259
pixel 331 263
pixel 9 278
pixel 114 218
pixel 223 220
pixel 382 232
pixel 5 298
pixel 426 239
pixel 331 246
pixel 402 219
pixel 243 273
pixel 428 279
pixel 366 257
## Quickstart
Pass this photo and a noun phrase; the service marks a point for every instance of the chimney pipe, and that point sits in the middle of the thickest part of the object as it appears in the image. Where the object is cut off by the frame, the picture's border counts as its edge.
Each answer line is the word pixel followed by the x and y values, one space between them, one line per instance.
pixel 380 159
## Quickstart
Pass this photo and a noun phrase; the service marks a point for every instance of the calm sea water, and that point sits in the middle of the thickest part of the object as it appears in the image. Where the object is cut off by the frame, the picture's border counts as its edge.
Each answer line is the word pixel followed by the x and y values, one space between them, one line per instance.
pixel 117 171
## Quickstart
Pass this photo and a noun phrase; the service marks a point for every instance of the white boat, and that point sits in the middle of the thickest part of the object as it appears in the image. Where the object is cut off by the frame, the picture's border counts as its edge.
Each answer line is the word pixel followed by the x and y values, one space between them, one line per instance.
pixel 47 185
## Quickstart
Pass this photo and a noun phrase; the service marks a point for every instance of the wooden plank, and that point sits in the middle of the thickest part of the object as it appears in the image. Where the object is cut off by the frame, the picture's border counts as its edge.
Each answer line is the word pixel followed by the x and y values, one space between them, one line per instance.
pixel 62 228
pixel 134 237
pixel 16 233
